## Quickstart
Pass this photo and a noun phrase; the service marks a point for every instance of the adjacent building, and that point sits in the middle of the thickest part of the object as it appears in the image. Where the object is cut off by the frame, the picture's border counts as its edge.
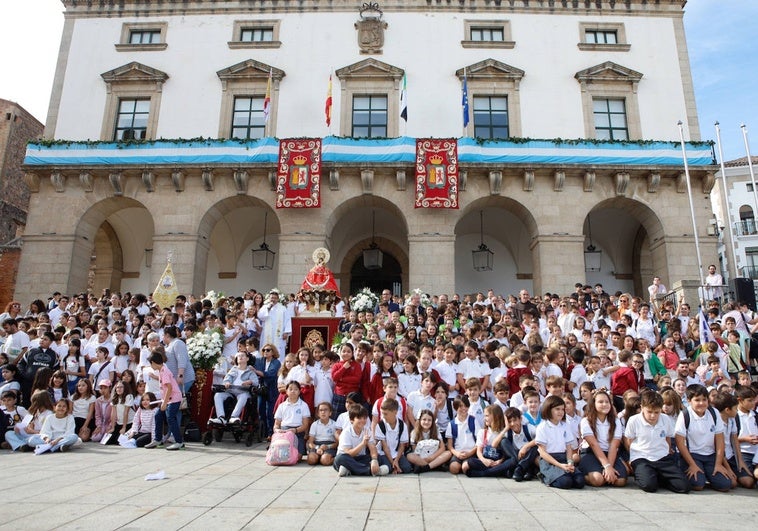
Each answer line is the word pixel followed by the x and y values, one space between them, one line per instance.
pixel 135 166
pixel 17 127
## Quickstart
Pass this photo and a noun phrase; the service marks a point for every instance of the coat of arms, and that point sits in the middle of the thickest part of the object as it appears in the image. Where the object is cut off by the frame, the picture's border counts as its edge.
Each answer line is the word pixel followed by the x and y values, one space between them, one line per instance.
pixel 371 29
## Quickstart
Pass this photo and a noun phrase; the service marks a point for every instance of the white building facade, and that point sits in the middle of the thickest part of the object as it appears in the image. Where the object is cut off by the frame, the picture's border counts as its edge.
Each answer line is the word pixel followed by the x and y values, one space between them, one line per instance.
pixel 735 211
pixel 134 71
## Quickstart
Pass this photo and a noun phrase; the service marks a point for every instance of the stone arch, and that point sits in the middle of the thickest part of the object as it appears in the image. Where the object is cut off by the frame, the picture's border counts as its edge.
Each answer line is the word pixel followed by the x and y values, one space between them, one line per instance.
pixel 228 229
pixel 116 231
pixel 632 238
pixel 510 273
pixel 348 231
pixel 356 253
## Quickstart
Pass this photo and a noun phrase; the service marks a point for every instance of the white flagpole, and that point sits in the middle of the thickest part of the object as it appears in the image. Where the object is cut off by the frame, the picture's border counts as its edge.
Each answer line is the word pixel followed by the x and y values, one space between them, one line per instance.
pixel 726 202
pixel 750 165
pixel 692 210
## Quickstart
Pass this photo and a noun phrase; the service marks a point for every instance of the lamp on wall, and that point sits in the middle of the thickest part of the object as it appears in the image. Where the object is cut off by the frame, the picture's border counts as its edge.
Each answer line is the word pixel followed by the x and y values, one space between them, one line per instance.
pixel 263 257
pixel 483 256
pixel 373 257
pixel 592 255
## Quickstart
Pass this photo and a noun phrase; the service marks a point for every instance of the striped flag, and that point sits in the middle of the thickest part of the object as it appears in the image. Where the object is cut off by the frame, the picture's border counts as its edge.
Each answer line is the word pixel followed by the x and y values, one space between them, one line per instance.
pixel 705 331
pixel 464 100
pixel 267 99
pixel 328 105
pixel 404 99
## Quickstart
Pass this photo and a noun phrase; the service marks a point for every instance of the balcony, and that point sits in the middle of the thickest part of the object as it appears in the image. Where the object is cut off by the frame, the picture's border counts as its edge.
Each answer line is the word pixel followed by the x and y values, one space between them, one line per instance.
pixel 745 227
pixel 750 272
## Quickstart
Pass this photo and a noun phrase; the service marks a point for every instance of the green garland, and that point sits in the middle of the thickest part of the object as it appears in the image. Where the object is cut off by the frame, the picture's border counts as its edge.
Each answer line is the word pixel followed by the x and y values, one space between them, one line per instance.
pixel 480 141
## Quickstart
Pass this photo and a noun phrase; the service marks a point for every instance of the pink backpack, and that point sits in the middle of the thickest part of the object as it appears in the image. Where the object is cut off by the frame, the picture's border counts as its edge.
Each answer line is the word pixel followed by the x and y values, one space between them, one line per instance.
pixel 283 449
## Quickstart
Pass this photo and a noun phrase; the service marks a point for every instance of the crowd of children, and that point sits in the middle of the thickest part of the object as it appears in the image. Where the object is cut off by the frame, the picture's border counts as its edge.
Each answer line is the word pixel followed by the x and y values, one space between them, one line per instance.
pixel 589 389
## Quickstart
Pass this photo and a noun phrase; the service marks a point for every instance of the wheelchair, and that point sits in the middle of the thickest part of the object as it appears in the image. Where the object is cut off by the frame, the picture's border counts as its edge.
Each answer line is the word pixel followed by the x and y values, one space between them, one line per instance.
pixel 250 426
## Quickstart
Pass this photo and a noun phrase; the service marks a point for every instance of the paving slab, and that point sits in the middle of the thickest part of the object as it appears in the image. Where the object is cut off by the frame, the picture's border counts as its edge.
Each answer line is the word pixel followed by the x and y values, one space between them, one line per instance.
pixel 227 486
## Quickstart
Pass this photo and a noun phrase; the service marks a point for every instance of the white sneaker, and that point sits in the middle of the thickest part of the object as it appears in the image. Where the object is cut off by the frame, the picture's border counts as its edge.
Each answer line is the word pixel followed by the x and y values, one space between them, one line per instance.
pixel 218 420
pixel 176 446
pixel 343 472
pixel 234 420
pixel 384 470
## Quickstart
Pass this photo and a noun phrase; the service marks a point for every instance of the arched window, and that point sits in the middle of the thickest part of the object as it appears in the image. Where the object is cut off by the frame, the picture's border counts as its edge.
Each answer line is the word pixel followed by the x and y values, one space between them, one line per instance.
pixel 746 224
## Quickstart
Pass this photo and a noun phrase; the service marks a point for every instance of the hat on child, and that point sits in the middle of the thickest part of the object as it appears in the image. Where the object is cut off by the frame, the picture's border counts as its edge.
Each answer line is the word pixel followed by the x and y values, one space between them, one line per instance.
pixel 105 383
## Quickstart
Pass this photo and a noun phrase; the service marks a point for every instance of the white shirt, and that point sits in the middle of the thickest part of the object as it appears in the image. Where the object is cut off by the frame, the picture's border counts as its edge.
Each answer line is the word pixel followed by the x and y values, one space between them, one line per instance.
pixel 470 369
pixel 449 373
pixel 702 431
pixel 602 429
pixel 649 441
pixel 324 386
pixel 554 437
pixel 466 440
pixel 419 402
pixel 578 376
pixel 391 437
pixel 349 439
pixel 322 433
pixel 292 415
pixel 748 427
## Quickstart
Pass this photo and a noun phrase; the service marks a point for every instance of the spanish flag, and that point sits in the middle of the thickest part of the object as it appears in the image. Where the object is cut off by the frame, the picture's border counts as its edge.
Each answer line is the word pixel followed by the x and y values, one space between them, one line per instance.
pixel 328 106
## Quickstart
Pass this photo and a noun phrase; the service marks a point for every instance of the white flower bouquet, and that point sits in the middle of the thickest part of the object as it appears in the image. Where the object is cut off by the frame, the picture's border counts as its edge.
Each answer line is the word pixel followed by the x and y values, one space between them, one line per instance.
pixel 213 297
pixel 204 348
pixel 364 301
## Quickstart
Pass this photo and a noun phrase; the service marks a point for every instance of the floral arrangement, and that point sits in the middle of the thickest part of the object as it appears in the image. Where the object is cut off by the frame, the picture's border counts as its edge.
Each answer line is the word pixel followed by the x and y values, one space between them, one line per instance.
pixel 213 296
pixel 423 297
pixel 204 348
pixel 365 301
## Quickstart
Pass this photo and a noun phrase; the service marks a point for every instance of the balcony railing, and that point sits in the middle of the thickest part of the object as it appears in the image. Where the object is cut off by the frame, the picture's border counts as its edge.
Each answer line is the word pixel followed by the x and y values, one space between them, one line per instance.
pixel 750 272
pixel 746 227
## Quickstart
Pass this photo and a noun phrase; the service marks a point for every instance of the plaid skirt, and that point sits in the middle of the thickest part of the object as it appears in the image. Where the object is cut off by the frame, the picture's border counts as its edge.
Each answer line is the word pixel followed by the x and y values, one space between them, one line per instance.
pixel 338 405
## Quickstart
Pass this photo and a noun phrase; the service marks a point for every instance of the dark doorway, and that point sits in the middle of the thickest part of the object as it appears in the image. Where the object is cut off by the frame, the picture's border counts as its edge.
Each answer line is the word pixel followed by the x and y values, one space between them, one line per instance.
pixel 376 279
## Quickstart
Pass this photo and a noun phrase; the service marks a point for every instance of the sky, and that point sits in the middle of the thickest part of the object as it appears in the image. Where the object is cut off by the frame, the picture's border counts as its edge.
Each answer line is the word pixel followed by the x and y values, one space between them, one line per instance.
pixel 719 37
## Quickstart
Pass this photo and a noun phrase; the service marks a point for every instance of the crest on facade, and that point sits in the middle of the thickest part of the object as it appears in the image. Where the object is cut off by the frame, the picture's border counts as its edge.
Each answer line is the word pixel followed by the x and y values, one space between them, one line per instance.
pixel 371 28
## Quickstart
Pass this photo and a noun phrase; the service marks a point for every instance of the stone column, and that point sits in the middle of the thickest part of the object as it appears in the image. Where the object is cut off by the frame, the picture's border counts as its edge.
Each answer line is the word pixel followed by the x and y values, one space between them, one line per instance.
pixel 431 260
pixel 294 259
pixel 558 262
pixel 189 259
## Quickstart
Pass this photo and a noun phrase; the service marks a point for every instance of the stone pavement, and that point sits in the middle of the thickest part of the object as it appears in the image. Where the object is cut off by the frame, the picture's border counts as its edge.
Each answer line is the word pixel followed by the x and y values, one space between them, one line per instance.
pixel 228 486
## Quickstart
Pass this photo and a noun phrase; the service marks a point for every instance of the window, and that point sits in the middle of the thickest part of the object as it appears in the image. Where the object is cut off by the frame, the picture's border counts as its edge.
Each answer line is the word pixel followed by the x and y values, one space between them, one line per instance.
pixel 255 34
pixel 243 87
pixel 142 36
pixel 609 102
pixel 746 224
pixel 487 34
pixel 751 258
pixel 749 187
pixel 133 98
pixel 369 97
pixel 369 116
pixel 609 37
pixel 145 37
pixel 131 122
pixel 610 119
pixel 491 116
pixel 494 99
pixel 600 37
pixel 248 120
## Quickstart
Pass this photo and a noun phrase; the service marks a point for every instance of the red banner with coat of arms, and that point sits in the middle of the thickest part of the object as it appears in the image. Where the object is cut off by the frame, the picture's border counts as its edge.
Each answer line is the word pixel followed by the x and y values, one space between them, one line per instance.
pixel 298 177
pixel 436 173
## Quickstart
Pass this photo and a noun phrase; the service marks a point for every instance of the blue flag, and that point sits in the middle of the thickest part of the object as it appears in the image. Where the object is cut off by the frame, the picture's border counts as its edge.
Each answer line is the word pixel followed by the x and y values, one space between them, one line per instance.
pixel 464 101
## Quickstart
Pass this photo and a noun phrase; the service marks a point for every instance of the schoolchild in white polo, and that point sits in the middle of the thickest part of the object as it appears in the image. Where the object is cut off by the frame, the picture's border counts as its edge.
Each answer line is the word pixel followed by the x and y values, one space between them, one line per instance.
pixel 648 438
pixel 700 440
